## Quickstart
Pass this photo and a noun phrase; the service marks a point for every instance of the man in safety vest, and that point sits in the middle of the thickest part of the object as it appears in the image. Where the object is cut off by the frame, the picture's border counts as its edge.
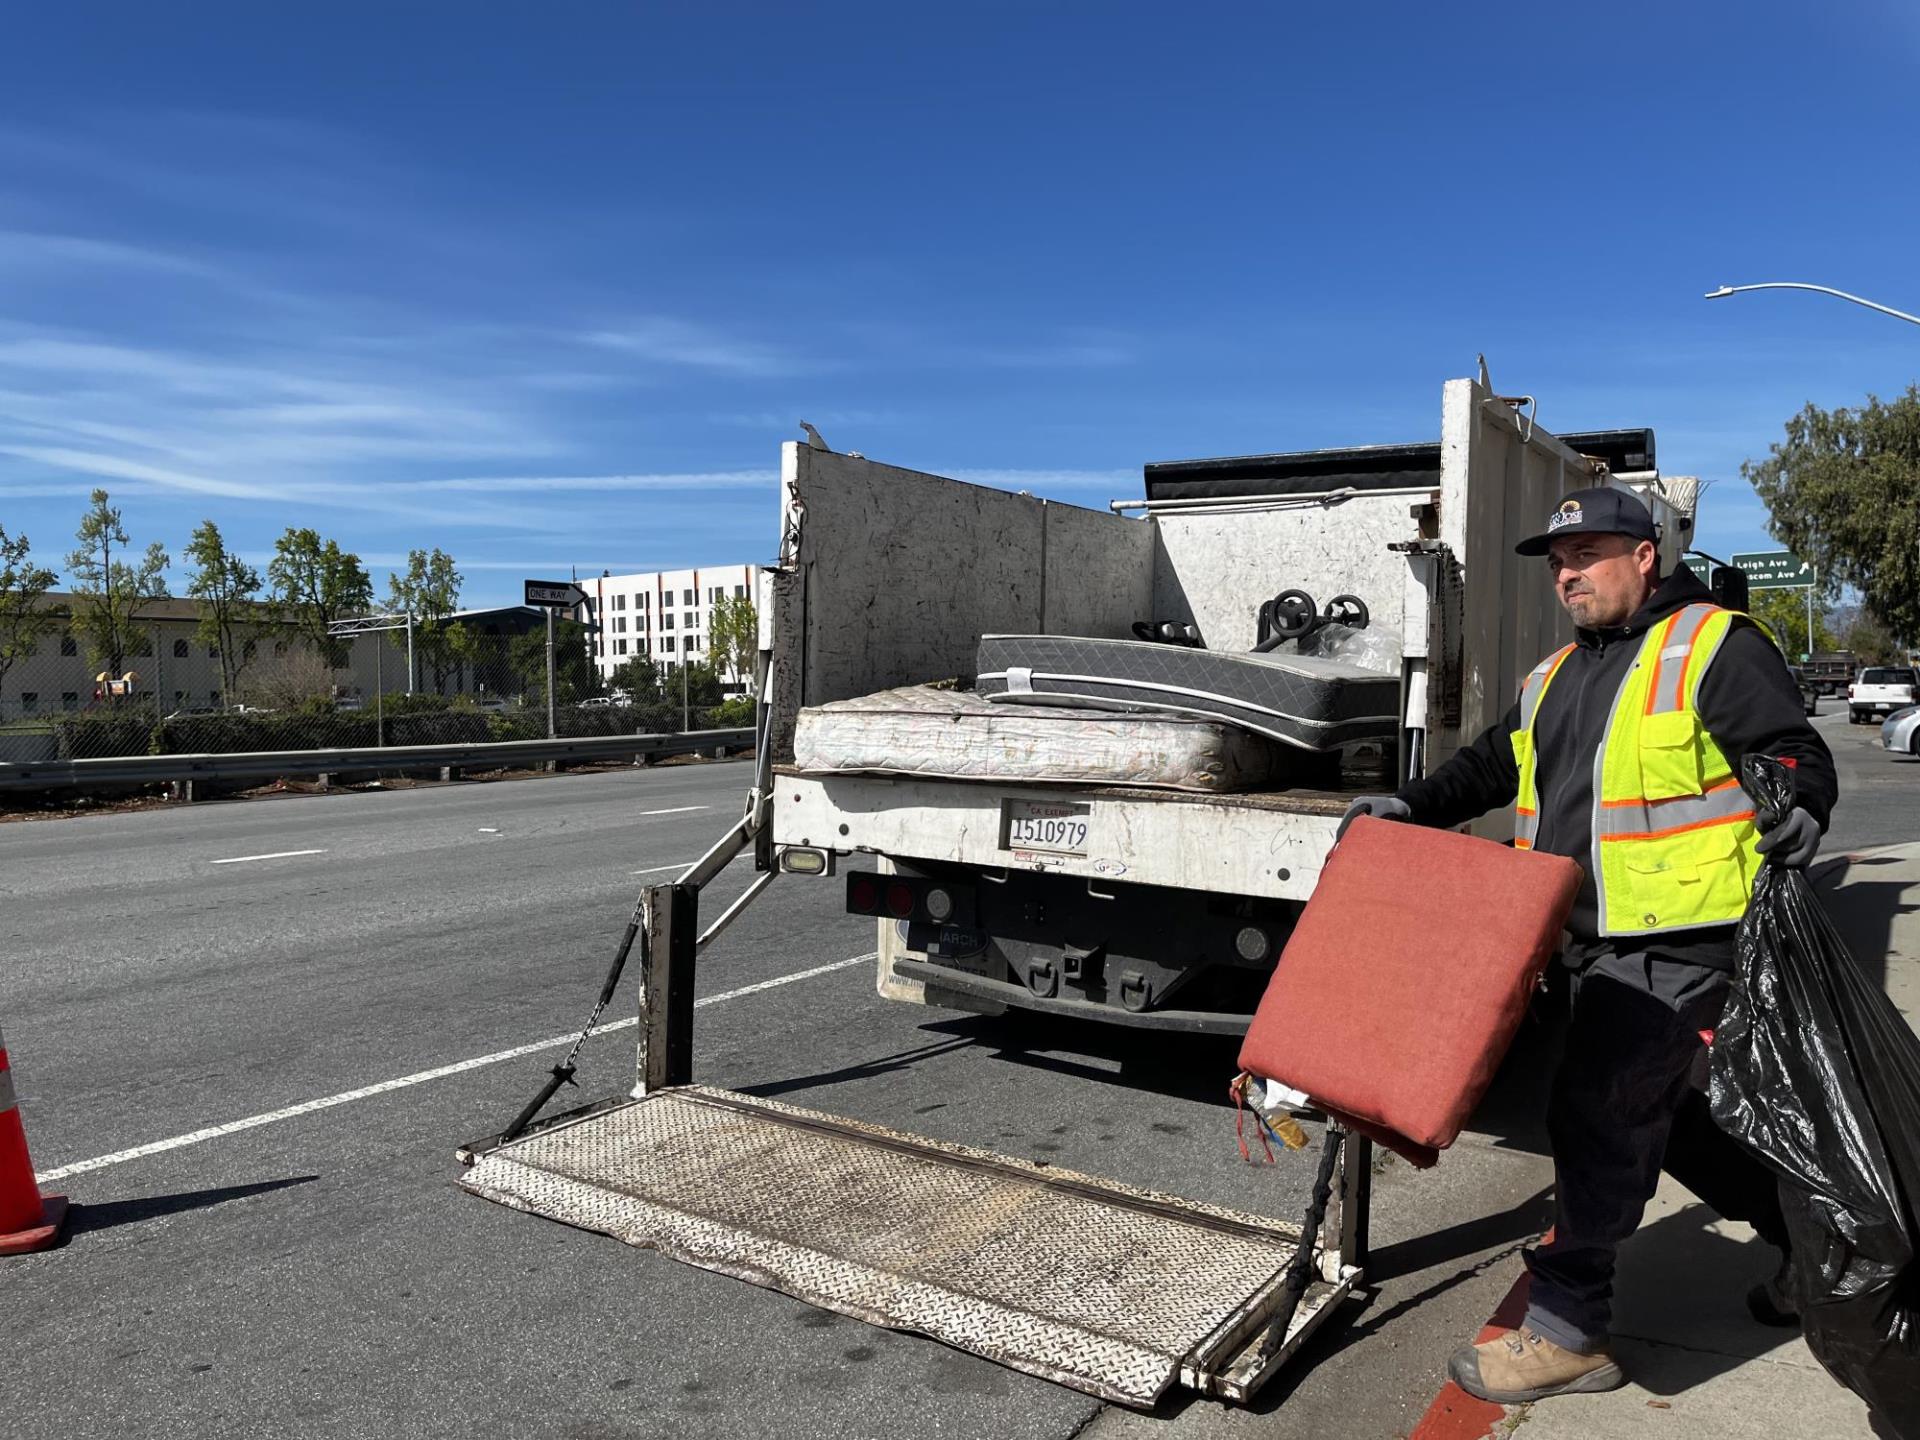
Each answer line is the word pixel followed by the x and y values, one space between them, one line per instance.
pixel 1623 753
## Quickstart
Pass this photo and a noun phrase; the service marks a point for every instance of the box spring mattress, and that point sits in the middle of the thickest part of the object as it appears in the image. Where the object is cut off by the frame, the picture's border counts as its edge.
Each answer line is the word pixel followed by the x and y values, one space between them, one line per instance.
pixel 1305 700
pixel 953 734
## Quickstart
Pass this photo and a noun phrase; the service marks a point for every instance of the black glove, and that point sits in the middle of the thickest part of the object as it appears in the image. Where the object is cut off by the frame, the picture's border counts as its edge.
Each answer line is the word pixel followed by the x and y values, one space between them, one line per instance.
pixel 1381 807
pixel 1791 840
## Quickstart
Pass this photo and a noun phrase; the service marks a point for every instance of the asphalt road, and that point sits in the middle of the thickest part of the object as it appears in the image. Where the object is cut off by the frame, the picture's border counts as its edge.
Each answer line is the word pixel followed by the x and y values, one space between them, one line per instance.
pixel 179 971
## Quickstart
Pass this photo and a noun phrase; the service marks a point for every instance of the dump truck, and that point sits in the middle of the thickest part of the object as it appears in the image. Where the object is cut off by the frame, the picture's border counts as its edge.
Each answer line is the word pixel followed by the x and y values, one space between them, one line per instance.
pixel 1131 905
pixel 1135 904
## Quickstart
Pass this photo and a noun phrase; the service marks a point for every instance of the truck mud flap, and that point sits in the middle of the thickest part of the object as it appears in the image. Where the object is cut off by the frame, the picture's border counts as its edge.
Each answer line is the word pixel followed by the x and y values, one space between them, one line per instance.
pixel 1108 1289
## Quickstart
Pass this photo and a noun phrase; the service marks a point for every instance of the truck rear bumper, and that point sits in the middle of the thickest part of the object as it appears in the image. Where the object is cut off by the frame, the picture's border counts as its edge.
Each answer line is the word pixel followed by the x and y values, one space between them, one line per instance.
pixel 1269 845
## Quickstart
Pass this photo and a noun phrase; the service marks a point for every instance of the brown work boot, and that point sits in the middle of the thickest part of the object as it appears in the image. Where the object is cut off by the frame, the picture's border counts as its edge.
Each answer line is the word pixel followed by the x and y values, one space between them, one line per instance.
pixel 1517 1366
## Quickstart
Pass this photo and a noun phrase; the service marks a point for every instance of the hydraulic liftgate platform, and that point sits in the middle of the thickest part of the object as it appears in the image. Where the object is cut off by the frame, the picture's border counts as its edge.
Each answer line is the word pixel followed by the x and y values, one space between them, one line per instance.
pixel 1108 1289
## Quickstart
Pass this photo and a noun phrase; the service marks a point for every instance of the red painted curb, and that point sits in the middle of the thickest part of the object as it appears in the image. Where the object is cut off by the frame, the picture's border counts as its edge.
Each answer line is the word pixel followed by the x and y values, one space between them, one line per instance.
pixel 1456 1415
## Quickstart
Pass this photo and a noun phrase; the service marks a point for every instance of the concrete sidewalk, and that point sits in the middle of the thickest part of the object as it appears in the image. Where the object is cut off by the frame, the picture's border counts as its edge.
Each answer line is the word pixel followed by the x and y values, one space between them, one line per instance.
pixel 1699 1367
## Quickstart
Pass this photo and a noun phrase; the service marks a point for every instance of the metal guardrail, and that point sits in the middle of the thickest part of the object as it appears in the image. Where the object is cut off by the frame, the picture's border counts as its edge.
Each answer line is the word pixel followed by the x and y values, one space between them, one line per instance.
pixel 272 764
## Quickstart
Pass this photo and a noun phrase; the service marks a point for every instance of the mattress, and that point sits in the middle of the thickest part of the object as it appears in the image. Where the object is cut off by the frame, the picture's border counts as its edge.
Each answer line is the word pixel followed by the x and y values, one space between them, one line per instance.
pixel 961 735
pixel 1310 701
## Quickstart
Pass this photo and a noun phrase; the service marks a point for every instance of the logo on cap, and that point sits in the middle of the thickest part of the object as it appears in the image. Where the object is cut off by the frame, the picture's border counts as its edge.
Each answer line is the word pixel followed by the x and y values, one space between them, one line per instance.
pixel 1568 514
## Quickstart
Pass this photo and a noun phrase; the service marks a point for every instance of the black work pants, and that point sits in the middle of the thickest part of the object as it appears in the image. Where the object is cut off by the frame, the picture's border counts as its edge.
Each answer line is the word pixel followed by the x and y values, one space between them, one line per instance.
pixel 1631 1048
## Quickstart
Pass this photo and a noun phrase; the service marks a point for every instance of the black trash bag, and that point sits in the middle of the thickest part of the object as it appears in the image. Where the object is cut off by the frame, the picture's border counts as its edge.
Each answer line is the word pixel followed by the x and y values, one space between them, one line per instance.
pixel 1815 1071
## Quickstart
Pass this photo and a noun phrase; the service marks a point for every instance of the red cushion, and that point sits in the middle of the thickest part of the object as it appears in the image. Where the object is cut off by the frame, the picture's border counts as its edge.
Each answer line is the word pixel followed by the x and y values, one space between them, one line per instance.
pixel 1408 974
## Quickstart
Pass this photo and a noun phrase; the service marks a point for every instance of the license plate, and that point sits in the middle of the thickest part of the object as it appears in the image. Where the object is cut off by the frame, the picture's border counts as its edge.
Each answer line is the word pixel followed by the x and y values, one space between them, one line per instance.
pixel 1047 826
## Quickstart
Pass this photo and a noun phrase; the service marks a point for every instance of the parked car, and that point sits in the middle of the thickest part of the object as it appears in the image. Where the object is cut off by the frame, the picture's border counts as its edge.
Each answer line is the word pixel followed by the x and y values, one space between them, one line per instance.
pixel 1900 731
pixel 1880 690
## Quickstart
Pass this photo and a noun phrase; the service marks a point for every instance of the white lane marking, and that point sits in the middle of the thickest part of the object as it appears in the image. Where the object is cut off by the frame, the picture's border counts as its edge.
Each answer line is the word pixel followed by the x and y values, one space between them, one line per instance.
pixel 440 1072
pixel 489 830
pixel 656 869
pixel 276 855
pixel 677 810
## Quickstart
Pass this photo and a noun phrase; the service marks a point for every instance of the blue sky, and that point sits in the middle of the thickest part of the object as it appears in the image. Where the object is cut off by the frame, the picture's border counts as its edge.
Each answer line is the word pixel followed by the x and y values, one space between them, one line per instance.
pixel 547 286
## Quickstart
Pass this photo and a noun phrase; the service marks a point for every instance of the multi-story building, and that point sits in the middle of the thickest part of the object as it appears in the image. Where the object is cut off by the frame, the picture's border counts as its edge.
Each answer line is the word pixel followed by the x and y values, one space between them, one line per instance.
pixel 664 615
pixel 173 668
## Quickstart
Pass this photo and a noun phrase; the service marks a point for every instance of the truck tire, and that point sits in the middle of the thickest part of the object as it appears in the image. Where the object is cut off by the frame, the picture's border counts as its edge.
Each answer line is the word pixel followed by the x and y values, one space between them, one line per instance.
pixel 1853 717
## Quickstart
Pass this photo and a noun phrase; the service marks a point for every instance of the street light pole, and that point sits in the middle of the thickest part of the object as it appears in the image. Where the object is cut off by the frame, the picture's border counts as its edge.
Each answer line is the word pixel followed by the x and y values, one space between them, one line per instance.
pixel 1726 290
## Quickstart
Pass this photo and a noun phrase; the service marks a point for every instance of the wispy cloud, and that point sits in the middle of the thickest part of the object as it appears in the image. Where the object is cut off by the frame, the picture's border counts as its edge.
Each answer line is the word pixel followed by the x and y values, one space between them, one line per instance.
pixel 281 426
pixel 110 467
pixel 24 250
pixel 823 416
pixel 664 340
pixel 701 480
pixel 1068 355
pixel 889 343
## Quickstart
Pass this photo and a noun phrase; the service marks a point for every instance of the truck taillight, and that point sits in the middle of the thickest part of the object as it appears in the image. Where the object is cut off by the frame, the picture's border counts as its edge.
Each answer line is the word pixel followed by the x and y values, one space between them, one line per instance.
pixel 909 897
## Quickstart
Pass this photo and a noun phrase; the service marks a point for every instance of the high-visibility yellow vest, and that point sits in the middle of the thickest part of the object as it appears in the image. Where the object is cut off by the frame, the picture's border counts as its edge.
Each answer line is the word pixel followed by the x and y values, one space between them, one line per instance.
pixel 1673 832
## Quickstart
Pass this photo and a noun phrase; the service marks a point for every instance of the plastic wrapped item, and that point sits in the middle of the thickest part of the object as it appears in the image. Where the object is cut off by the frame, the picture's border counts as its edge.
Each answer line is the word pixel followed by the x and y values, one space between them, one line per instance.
pixel 1815 1070
pixel 1368 648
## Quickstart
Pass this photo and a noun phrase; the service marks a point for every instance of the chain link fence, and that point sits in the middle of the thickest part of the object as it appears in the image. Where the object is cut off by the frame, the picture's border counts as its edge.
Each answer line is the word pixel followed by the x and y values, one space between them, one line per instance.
pixel 176 697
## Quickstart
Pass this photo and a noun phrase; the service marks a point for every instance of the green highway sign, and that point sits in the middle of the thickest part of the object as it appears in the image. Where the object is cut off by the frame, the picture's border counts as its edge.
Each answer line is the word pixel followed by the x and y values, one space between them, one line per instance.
pixel 1701 567
pixel 1775 570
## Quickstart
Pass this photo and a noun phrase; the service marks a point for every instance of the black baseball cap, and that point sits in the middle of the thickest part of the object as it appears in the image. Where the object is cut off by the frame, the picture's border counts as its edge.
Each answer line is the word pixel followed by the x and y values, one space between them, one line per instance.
pixel 1598 510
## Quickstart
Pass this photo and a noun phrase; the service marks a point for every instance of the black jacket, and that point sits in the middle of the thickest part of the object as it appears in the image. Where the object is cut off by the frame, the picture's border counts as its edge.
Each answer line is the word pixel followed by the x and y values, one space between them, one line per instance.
pixel 1747 700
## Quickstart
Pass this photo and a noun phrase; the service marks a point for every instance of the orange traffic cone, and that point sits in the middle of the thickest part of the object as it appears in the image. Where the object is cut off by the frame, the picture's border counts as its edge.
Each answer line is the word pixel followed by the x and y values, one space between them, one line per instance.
pixel 28 1219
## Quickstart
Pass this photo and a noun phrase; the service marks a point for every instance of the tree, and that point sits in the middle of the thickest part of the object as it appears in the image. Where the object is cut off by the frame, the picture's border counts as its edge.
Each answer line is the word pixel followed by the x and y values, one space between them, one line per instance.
pixel 22 620
pixel 638 679
pixel 429 591
pixel 697 682
pixel 1870 642
pixel 1784 613
pixel 1843 493
pixel 226 587
pixel 296 679
pixel 575 676
pixel 109 592
pixel 733 637
pixel 315 583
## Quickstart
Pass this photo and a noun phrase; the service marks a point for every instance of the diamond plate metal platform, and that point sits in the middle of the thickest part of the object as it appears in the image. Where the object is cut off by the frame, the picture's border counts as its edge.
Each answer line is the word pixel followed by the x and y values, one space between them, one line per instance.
pixel 1115 1291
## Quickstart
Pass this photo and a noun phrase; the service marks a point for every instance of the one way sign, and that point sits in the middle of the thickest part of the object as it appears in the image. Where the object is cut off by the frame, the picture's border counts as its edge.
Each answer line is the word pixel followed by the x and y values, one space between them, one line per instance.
pixel 555 594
